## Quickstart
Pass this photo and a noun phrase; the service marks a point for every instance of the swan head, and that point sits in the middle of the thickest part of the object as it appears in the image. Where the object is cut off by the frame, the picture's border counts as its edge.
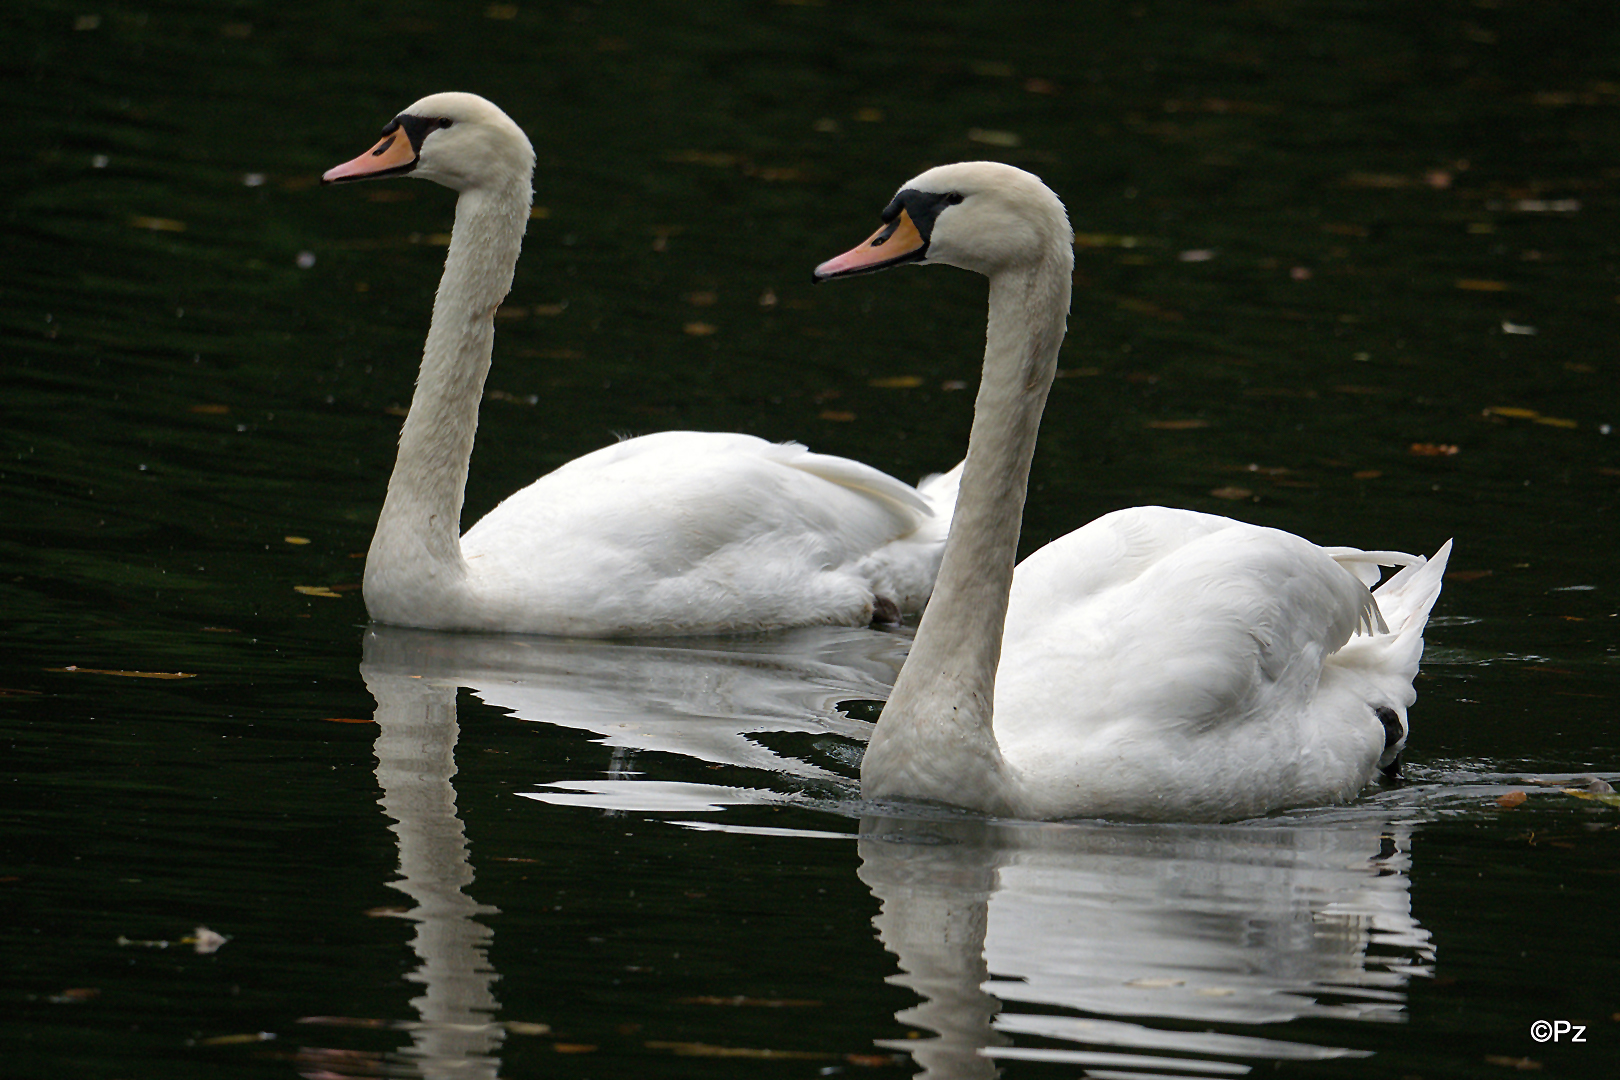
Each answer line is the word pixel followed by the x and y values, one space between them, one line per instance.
pixel 979 215
pixel 459 140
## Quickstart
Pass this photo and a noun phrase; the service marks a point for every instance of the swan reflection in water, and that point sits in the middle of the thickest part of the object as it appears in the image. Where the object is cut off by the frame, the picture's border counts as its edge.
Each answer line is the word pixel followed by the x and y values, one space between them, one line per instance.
pixel 1157 941
pixel 416 739
pixel 1175 949
pixel 698 699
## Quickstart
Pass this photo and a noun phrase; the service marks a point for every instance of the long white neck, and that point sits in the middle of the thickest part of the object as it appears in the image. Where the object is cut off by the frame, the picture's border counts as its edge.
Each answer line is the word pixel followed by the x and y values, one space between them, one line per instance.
pixel 935 740
pixel 415 564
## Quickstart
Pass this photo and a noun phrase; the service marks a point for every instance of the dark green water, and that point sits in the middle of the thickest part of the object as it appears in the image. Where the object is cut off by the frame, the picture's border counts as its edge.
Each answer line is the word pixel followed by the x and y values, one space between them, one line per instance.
pixel 1322 244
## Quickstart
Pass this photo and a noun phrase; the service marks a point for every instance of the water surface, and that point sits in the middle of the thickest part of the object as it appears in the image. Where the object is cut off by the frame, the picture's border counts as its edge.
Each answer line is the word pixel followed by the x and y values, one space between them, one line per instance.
pixel 1347 269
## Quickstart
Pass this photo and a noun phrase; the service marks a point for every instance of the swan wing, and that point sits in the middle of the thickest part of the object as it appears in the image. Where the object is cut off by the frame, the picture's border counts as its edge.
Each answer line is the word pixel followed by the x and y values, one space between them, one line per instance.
pixel 693 532
pixel 1159 653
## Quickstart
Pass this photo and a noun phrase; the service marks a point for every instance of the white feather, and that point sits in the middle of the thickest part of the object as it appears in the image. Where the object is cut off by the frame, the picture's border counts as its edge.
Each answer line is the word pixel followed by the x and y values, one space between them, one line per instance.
pixel 1156 663
pixel 677 533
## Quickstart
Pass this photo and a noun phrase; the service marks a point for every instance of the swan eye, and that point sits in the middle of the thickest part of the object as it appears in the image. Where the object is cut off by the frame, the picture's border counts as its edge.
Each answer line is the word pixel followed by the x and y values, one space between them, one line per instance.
pixel 954 198
pixel 444 122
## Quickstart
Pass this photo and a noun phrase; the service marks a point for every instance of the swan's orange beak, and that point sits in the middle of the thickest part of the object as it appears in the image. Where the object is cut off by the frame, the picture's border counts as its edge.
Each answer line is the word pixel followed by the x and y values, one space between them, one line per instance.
pixel 897 242
pixel 392 155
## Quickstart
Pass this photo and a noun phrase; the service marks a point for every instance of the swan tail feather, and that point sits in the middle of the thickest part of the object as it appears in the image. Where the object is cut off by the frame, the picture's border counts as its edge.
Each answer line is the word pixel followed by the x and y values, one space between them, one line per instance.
pixel 1365 564
pixel 1390 658
pixel 1407 598
pixel 940 491
pixel 1376 615
pixel 862 478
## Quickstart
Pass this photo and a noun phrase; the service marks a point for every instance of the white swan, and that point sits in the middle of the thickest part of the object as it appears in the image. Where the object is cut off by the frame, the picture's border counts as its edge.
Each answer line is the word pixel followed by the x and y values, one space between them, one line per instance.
pixel 1156 664
pixel 677 533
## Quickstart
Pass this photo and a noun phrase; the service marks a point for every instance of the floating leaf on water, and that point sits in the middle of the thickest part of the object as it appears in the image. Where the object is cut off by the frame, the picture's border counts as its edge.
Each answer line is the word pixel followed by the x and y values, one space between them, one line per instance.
pixel 1555 421
pixel 1106 240
pixel 1518 328
pixel 872 1061
pixel 237 1040
pixel 695 1049
pixel 157 224
pixel 699 329
pixel 344 1021
pixel 317 590
pixel 74 669
pixel 1523 1064
pixel 1427 449
pixel 574 1048
pixel 296 540
pixel 1594 788
pixel 896 382
pixel 1546 206
pixel 204 940
pixel 74 994
pixel 1234 494
pixel 987 137
pixel 839 416
pixel 1378 181
pixel 525 1027
pixel 1511 800
pixel 1511 410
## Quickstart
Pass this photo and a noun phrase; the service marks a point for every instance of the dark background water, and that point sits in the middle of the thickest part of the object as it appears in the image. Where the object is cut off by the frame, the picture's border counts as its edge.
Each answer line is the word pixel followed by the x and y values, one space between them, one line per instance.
pixel 1344 268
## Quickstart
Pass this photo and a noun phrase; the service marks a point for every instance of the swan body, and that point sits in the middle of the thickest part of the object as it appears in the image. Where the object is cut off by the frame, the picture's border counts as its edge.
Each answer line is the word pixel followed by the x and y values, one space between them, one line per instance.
pixel 681 532
pixel 1155 664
